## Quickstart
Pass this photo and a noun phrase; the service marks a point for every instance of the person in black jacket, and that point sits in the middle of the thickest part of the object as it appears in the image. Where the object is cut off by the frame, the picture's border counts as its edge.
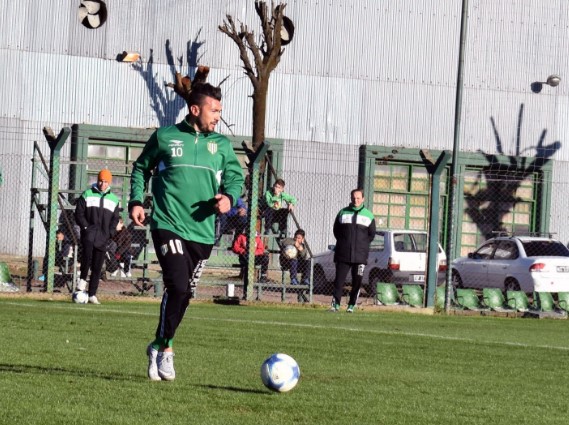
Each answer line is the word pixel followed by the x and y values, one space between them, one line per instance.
pixel 354 229
pixel 97 214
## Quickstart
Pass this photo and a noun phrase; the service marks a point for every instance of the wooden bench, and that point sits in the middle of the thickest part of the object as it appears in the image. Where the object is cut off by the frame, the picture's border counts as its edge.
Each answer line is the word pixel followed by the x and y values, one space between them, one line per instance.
pixel 303 292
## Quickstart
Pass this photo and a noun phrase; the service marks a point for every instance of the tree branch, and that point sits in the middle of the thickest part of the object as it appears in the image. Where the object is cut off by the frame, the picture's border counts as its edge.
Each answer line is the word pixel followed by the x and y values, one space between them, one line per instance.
pixel 261 9
pixel 230 30
pixel 183 85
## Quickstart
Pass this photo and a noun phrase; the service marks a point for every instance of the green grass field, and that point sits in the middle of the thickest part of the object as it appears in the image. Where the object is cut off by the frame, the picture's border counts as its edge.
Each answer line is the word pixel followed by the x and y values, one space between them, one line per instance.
pixel 62 363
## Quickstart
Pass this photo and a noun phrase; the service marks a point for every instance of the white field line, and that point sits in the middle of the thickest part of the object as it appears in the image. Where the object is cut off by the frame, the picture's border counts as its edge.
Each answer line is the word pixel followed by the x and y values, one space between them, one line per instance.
pixel 101 309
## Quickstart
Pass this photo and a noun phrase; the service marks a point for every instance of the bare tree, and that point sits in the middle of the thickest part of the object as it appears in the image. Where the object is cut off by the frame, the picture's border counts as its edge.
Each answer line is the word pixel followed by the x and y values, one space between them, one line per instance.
pixel 260 60
pixel 183 85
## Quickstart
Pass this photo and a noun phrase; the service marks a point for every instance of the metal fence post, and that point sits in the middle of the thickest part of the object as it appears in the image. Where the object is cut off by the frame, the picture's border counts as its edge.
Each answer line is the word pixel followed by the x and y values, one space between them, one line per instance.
pixel 435 169
pixel 255 162
pixel 55 145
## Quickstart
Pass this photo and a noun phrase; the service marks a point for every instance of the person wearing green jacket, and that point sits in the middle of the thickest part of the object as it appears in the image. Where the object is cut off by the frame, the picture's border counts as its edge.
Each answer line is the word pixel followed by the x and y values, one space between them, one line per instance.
pixel 188 162
pixel 354 230
pixel 97 215
pixel 278 204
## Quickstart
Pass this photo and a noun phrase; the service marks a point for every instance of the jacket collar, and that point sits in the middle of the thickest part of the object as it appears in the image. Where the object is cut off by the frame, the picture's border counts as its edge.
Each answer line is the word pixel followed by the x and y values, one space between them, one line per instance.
pixel 358 208
pixel 95 188
pixel 187 127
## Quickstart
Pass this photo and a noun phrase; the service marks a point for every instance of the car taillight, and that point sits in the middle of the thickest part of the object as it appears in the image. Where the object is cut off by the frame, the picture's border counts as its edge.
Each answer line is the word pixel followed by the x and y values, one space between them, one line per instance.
pixel 443 266
pixel 393 264
pixel 537 267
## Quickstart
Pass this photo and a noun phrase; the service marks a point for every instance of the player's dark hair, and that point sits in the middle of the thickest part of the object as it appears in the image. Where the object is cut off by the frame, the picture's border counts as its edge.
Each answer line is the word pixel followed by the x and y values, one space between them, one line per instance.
pixel 299 232
pixel 201 91
pixel 280 182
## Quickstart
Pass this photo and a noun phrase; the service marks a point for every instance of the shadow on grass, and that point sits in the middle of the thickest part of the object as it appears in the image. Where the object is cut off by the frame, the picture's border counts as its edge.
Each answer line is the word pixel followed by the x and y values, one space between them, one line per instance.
pixel 234 389
pixel 28 369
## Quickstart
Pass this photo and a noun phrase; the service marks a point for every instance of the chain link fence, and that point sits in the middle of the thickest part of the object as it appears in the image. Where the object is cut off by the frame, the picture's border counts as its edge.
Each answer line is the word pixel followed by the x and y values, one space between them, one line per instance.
pixel 493 199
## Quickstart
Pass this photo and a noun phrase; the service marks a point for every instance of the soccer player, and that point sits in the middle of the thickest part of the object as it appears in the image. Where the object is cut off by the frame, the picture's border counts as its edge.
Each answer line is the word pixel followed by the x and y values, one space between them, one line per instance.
pixel 354 229
pixel 191 162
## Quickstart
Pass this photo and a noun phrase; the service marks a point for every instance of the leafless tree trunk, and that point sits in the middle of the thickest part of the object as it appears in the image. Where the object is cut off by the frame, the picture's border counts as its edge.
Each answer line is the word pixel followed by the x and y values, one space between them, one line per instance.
pixel 259 61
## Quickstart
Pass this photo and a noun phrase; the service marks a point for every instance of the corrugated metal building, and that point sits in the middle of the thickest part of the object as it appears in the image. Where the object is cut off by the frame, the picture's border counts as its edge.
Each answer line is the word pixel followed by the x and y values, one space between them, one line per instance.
pixel 358 72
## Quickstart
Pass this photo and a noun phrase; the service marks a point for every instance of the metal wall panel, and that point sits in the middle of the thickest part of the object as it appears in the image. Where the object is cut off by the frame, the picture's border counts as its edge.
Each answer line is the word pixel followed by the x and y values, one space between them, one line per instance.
pixel 512 44
pixel 320 176
pixel 403 41
pixel 16 148
pixel 521 123
pixel 357 72
pixel 560 201
pixel 11 83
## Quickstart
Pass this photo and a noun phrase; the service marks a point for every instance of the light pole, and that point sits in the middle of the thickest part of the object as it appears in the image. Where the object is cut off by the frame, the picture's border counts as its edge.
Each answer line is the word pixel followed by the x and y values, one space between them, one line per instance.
pixel 455 148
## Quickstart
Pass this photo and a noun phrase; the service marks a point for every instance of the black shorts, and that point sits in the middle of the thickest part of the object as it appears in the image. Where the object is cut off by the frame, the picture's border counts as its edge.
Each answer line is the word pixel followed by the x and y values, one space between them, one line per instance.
pixel 182 261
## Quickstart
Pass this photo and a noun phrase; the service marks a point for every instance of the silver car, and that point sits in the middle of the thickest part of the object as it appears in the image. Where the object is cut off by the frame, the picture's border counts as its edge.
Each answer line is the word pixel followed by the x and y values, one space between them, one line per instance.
pixel 516 263
pixel 397 256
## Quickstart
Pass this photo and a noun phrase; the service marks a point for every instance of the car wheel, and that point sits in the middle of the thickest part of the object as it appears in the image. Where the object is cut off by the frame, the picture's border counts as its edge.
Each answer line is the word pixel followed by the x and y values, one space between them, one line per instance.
pixel 456 280
pixel 321 285
pixel 511 285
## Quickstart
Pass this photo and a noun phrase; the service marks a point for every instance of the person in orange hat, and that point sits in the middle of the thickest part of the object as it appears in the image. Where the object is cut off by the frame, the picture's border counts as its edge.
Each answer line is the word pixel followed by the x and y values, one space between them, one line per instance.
pixel 97 214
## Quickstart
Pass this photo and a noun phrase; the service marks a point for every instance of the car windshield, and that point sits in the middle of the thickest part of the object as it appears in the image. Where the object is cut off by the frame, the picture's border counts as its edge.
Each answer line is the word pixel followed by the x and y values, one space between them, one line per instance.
pixel 545 249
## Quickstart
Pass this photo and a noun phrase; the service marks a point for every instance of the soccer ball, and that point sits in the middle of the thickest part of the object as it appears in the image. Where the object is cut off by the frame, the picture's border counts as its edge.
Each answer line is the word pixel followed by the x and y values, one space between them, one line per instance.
pixel 80 297
pixel 290 252
pixel 280 373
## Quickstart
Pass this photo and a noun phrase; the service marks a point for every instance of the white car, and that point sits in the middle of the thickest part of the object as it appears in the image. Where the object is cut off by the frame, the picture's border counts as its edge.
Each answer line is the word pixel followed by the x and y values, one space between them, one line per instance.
pixel 515 263
pixel 397 256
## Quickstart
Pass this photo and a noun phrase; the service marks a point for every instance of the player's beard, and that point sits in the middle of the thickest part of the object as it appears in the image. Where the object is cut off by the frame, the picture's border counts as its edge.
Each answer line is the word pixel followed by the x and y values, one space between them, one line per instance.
pixel 207 127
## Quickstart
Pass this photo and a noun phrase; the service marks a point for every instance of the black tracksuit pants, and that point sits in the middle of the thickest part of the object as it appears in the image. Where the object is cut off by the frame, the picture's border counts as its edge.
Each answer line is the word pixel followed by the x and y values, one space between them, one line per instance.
pixel 91 259
pixel 342 270
pixel 182 263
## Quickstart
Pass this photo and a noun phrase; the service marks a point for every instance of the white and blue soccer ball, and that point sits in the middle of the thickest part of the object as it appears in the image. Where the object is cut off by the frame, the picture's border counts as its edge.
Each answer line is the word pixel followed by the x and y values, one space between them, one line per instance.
pixel 80 297
pixel 280 373
pixel 290 252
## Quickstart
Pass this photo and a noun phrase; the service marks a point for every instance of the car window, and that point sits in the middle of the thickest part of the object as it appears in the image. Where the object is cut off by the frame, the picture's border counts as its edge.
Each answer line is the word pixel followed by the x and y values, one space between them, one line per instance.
pixel 545 248
pixel 485 251
pixel 378 243
pixel 506 250
pixel 407 242
pixel 420 242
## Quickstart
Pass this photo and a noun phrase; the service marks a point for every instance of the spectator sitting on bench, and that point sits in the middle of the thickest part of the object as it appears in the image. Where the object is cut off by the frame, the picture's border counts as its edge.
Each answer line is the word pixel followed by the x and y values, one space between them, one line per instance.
pixel 63 252
pixel 295 259
pixel 63 256
pixel 261 257
pixel 118 252
pixel 234 219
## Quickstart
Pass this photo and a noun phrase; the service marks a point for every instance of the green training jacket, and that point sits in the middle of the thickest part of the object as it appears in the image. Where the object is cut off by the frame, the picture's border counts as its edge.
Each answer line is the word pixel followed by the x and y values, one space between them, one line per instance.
pixel 189 168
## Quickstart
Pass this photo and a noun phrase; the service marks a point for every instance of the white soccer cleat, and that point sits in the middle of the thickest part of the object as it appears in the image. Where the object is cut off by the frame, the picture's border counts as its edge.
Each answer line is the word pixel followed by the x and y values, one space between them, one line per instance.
pixel 81 285
pixel 152 363
pixel 93 300
pixel 166 365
